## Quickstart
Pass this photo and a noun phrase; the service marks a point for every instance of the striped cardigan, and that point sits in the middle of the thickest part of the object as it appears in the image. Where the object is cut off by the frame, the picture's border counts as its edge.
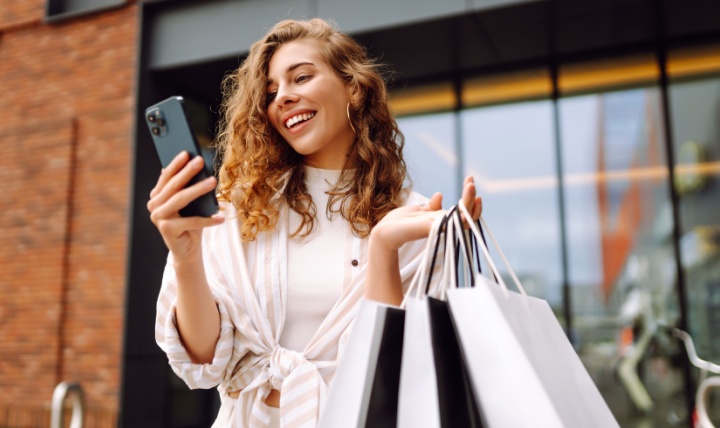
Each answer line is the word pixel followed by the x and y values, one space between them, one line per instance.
pixel 249 283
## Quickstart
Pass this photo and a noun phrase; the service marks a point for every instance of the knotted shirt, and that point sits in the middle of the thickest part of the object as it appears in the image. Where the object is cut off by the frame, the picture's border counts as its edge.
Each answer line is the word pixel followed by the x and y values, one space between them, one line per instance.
pixel 249 284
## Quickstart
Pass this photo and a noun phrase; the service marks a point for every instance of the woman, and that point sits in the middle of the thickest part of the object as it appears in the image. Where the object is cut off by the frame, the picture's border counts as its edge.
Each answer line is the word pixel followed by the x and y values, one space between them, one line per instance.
pixel 258 300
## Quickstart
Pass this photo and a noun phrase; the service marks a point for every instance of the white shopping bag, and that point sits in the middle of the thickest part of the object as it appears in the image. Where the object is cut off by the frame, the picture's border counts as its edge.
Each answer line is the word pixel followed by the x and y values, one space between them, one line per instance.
pixel 524 371
pixel 364 392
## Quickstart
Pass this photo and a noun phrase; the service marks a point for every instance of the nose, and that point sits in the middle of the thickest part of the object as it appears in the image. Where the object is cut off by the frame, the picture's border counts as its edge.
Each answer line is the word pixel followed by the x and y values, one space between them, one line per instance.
pixel 284 97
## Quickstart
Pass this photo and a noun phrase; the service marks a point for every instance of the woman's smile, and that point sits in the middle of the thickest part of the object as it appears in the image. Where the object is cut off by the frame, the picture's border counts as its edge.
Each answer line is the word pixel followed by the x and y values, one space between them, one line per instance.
pixel 298 119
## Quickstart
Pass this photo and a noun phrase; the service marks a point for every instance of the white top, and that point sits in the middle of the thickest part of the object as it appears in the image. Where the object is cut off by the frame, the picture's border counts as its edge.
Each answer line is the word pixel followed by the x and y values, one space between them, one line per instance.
pixel 318 264
pixel 249 282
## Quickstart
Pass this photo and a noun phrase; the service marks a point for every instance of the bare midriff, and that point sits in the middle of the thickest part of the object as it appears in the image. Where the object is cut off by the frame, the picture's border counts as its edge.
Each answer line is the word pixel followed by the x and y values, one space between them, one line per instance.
pixel 273 399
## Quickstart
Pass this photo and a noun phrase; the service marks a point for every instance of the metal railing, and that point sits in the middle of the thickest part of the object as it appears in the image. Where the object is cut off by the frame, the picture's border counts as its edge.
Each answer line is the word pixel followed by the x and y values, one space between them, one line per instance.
pixel 707 384
pixel 57 413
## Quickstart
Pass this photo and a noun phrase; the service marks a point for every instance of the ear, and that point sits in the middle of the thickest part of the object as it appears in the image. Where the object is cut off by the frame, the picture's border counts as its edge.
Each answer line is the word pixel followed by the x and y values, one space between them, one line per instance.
pixel 353 92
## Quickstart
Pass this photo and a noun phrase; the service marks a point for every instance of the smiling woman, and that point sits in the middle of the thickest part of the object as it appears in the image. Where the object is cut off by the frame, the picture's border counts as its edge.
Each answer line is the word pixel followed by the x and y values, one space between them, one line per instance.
pixel 307 105
pixel 257 300
pixel 288 72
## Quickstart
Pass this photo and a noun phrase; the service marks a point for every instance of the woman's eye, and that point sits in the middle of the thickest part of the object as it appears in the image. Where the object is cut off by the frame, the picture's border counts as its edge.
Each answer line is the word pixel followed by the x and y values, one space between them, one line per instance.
pixel 301 78
pixel 270 97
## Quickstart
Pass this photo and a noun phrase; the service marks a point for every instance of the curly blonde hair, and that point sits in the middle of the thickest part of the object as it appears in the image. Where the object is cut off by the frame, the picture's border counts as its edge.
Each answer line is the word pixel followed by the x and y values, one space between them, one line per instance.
pixel 258 163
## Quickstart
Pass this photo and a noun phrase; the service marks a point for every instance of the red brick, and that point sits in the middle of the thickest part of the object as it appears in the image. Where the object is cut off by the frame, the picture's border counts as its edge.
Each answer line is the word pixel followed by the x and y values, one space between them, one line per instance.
pixel 67 91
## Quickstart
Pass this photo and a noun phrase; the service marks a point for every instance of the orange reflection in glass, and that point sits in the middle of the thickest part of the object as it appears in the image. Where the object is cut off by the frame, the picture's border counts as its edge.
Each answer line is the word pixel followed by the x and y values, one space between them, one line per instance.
pixel 634 174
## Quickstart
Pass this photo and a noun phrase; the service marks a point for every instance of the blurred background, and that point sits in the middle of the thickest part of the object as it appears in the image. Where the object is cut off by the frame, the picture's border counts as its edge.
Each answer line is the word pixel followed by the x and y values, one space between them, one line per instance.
pixel 592 129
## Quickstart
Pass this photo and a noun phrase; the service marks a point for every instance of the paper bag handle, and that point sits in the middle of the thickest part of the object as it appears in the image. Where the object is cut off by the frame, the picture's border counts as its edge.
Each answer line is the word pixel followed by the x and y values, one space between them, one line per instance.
pixel 421 275
pixel 471 251
pixel 422 280
pixel 463 247
pixel 454 243
pixel 486 253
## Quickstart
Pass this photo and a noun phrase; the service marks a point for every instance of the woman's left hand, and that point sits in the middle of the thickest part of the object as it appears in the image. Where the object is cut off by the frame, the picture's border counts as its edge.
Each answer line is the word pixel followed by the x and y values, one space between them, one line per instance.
pixel 402 225
pixel 410 223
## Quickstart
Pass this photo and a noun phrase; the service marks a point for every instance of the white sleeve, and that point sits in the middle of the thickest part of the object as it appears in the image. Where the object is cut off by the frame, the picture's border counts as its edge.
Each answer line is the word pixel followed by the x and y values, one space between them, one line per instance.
pixel 229 347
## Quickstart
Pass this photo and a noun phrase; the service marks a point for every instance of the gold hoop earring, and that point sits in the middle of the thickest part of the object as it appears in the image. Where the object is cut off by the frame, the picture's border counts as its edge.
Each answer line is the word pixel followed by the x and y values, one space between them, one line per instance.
pixel 350 120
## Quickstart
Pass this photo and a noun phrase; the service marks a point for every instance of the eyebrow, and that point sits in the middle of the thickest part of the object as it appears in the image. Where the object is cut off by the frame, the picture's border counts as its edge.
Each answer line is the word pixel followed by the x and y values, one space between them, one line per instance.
pixel 291 68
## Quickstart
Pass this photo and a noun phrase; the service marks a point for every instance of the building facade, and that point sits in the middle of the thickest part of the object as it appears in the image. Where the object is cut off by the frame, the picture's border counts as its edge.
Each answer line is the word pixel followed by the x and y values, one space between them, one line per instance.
pixel 590 127
pixel 67 91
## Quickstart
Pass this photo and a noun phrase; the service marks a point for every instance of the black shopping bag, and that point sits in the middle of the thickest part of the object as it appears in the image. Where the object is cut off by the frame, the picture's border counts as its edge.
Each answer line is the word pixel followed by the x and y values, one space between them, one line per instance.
pixel 435 390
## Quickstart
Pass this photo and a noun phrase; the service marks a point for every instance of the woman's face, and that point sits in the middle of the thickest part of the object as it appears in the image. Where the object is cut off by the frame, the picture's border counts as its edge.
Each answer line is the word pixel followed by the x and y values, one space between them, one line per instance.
pixel 307 104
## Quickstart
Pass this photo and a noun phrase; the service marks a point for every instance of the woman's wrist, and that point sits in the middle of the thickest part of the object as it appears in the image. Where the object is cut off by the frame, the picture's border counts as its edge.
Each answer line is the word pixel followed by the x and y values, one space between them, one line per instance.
pixel 198 317
pixel 190 273
pixel 383 279
pixel 187 261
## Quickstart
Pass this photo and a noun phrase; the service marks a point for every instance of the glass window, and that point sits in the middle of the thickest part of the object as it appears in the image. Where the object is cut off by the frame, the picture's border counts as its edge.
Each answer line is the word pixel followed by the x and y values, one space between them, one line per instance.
pixel 423 99
pixel 510 150
pixel 609 74
pixel 694 110
pixel 620 253
pixel 694 62
pixel 56 10
pixel 431 155
pixel 694 106
pixel 621 261
pixel 511 86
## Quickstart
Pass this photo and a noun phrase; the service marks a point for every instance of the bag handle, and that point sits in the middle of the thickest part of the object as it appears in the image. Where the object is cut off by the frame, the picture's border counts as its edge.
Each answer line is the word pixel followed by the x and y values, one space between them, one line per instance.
pixel 444 232
pixel 441 233
pixel 455 243
pixel 447 273
pixel 470 250
pixel 458 245
pixel 475 229
pixel 431 249
pixel 463 245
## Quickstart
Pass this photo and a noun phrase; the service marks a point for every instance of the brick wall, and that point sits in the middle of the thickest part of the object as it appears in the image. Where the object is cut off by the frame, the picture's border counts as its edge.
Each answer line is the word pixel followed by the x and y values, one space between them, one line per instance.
pixel 66 107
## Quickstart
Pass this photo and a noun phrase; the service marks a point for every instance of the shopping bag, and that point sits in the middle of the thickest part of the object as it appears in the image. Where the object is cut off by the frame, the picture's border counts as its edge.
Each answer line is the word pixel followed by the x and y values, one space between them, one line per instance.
pixel 435 389
pixel 523 369
pixel 364 392
pixel 434 385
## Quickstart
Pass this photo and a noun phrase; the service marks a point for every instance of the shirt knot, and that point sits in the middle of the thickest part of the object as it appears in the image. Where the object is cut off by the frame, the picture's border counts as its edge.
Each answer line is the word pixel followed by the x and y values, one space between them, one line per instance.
pixel 282 362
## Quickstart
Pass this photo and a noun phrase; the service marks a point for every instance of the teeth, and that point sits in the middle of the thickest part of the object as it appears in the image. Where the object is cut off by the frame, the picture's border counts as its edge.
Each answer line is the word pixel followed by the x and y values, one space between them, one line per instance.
pixel 299 118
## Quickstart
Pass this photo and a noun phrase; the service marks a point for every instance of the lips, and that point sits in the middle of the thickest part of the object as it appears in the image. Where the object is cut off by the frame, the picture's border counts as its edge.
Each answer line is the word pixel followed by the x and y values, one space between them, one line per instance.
pixel 299 118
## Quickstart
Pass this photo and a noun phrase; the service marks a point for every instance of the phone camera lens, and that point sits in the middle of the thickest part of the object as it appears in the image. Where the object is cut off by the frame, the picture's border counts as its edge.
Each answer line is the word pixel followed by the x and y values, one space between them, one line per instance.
pixel 151 118
pixel 160 121
pixel 155 130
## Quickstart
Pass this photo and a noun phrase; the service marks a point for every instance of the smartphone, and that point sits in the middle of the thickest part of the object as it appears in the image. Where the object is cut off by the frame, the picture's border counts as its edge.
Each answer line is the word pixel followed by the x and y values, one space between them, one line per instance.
pixel 172 134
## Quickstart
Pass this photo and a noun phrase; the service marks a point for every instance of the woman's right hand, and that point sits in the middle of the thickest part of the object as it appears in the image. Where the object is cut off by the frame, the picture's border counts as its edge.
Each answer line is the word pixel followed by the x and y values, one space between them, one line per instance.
pixel 198 319
pixel 169 196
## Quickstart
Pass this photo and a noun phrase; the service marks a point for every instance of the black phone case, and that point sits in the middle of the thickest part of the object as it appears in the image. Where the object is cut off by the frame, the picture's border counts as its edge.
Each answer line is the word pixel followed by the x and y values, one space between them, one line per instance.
pixel 172 134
